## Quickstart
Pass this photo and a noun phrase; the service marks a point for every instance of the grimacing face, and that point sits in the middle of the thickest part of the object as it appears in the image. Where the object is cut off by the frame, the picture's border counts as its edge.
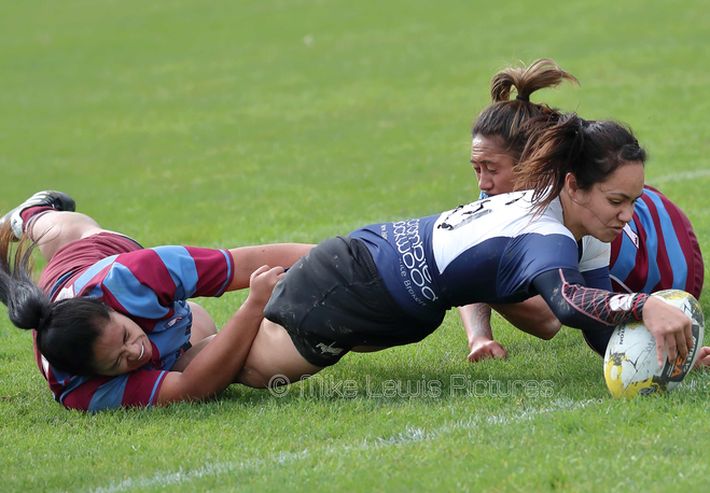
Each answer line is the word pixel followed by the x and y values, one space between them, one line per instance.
pixel 121 347
pixel 492 164
pixel 604 209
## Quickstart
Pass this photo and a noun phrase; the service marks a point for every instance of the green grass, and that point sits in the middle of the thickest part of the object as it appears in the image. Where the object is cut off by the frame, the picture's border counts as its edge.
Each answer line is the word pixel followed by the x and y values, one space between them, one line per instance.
pixel 231 123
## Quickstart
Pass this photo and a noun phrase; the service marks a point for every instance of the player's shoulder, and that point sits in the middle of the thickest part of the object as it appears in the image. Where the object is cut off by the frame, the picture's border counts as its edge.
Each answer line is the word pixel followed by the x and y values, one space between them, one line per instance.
pixel 653 202
pixel 654 208
pixel 549 221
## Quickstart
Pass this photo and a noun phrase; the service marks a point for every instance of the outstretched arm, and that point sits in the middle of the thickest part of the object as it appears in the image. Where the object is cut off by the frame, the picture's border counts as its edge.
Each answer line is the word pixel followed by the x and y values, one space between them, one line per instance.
pixel 592 310
pixel 533 316
pixel 248 259
pixel 217 365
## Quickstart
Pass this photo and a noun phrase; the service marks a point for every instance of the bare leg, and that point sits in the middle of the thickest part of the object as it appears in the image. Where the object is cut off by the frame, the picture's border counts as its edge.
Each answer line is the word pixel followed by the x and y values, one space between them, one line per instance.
pixel 54 229
pixel 202 324
pixel 273 354
pixel 203 331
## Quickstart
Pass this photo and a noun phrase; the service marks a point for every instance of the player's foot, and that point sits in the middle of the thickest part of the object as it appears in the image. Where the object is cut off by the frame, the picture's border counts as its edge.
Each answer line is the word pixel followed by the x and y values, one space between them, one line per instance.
pixel 49 198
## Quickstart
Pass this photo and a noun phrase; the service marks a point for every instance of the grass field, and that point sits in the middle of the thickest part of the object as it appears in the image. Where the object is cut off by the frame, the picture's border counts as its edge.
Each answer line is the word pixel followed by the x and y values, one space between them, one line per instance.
pixel 239 122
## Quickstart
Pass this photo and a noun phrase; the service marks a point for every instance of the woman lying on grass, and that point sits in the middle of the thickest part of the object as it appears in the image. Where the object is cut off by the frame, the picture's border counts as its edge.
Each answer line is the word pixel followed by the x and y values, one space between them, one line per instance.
pixel 656 250
pixel 109 337
pixel 111 322
pixel 391 284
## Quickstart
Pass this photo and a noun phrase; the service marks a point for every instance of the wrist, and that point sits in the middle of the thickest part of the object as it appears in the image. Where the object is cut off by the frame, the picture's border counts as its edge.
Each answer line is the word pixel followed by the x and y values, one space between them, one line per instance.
pixel 479 332
pixel 637 303
pixel 254 304
pixel 478 339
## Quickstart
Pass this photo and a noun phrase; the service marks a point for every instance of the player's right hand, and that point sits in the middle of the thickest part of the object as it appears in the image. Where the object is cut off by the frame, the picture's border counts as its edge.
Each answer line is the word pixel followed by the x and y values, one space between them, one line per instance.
pixel 671 328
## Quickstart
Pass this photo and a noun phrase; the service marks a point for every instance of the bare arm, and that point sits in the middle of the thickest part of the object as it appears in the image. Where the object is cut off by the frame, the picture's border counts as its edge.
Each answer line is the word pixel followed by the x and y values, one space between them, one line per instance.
pixel 532 316
pixel 248 259
pixel 217 364
pixel 476 320
pixel 596 310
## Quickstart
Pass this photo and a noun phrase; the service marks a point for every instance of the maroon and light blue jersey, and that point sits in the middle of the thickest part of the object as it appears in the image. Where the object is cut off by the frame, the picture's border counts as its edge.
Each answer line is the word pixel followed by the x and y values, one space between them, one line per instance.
pixel 487 251
pixel 151 287
pixel 657 249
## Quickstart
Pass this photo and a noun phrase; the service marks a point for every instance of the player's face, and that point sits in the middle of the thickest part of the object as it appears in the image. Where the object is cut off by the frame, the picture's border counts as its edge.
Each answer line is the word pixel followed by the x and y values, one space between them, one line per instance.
pixel 121 347
pixel 604 209
pixel 492 164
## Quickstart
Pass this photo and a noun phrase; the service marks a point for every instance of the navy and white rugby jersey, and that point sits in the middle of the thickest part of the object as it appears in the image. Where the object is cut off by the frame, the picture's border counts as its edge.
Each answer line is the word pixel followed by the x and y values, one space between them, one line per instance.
pixel 486 251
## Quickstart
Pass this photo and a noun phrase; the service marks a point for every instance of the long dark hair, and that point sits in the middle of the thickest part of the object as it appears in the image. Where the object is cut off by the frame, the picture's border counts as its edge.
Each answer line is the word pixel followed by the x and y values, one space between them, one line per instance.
pixel 507 118
pixel 590 150
pixel 67 329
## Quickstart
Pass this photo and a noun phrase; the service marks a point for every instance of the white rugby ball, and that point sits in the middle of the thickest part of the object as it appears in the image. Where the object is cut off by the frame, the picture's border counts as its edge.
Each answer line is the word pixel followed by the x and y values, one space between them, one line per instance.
pixel 630 363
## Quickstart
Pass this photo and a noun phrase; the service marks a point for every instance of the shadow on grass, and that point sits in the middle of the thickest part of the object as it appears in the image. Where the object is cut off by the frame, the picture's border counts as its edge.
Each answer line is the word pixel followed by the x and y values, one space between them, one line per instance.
pixel 383 380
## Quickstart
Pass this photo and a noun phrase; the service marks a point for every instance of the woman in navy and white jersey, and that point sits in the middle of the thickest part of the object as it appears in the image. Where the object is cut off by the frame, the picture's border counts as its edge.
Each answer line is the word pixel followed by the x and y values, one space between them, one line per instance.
pixel 657 249
pixel 391 283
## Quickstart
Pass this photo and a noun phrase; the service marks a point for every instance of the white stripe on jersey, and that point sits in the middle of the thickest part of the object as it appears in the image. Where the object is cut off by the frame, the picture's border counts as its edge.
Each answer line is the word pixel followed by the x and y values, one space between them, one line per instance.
pixel 466 226
pixel 595 254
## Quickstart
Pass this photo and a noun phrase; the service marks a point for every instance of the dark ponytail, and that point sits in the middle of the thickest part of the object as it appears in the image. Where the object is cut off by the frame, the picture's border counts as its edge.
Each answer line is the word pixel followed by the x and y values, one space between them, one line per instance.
pixel 508 118
pixel 66 330
pixel 26 304
pixel 591 150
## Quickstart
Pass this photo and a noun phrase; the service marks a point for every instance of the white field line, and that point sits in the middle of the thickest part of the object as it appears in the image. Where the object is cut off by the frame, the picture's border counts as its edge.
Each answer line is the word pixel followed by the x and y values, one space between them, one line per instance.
pixel 682 176
pixel 408 436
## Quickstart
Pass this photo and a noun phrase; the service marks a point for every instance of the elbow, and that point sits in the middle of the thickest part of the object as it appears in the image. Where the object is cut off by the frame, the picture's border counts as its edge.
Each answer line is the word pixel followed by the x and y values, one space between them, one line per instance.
pixel 578 321
pixel 545 325
pixel 549 329
pixel 566 315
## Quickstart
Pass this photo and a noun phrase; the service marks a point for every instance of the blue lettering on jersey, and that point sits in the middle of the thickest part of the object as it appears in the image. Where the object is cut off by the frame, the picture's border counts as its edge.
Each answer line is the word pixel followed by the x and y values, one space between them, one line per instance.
pixel 489 250
pixel 414 268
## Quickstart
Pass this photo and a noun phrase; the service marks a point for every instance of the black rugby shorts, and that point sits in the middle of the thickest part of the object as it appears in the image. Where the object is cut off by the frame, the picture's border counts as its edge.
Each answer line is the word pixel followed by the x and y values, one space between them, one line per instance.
pixel 333 299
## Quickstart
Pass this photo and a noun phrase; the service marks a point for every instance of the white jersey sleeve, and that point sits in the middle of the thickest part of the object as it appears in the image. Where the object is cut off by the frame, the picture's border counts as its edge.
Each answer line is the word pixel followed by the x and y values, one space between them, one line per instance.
pixel 595 254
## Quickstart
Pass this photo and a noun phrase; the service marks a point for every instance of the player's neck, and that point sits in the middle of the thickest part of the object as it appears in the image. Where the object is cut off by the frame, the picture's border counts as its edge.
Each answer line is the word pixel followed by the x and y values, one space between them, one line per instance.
pixel 570 216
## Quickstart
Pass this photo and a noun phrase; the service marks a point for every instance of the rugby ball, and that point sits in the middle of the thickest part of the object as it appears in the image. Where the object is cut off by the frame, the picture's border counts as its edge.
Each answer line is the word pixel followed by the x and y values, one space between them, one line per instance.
pixel 630 364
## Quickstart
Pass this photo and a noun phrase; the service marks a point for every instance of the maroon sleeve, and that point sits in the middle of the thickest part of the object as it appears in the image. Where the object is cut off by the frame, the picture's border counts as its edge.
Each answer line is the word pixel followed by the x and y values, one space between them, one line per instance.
pixel 136 389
